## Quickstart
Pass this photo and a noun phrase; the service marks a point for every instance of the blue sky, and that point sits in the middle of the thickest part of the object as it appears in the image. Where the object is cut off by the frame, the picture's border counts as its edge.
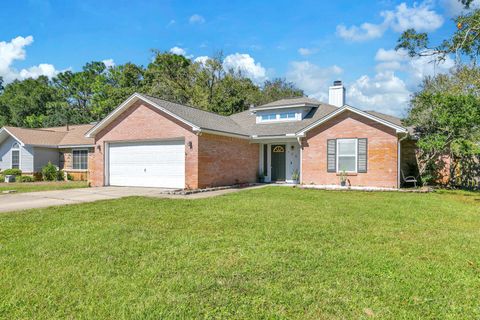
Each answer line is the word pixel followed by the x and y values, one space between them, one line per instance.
pixel 310 43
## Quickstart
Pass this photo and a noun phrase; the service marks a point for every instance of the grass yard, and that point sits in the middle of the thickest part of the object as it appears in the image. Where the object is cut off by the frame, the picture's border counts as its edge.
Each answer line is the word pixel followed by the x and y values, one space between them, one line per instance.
pixel 267 253
pixel 41 186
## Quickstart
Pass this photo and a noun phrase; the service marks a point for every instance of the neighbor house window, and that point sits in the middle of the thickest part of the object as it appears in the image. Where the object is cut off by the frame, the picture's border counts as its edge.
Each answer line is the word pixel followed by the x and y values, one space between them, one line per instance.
pixel 80 159
pixel 287 115
pixel 15 156
pixel 347 155
pixel 270 116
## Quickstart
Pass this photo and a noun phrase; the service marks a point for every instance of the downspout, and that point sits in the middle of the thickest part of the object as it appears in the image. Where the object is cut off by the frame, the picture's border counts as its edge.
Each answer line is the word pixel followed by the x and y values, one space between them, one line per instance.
pixel 399 162
pixel 299 139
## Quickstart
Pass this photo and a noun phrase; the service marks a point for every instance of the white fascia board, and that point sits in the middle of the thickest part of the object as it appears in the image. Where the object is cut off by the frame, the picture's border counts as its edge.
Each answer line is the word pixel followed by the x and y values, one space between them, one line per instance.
pixel 221 133
pixel 76 146
pixel 13 136
pixel 398 129
pixel 287 136
pixel 126 104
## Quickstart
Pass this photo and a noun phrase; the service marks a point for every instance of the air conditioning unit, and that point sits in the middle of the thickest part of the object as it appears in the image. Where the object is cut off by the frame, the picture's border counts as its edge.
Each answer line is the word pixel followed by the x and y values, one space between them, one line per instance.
pixel 9 178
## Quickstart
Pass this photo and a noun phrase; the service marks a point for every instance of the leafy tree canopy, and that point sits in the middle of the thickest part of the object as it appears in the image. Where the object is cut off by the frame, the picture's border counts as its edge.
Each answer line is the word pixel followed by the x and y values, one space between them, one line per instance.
pixel 90 94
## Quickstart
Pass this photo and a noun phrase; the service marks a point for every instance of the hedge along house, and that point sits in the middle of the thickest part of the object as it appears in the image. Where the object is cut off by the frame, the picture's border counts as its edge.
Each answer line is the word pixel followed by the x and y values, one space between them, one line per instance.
pixel 147 141
pixel 31 149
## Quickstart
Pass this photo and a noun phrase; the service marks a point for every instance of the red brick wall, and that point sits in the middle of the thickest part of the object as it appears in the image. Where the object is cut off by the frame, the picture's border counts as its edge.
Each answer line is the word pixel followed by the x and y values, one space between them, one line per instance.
pixel 144 122
pixel 382 151
pixel 226 161
pixel 66 164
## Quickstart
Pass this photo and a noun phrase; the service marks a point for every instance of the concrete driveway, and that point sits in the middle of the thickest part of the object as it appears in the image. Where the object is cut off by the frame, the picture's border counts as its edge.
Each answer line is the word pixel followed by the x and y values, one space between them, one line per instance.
pixel 42 199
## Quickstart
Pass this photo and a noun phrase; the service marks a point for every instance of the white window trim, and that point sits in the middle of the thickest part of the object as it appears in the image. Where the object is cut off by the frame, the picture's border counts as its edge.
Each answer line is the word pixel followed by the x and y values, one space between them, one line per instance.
pixel 268 114
pixel 348 155
pixel 19 155
pixel 278 117
pixel 79 149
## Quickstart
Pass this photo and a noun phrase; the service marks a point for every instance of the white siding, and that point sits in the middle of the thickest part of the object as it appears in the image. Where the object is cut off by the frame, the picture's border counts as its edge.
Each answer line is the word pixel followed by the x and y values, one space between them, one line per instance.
pixel 43 156
pixel 26 156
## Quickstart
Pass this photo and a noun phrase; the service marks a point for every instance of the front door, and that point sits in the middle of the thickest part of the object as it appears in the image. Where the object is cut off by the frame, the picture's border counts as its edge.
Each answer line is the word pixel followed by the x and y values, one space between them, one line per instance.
pixel 278 162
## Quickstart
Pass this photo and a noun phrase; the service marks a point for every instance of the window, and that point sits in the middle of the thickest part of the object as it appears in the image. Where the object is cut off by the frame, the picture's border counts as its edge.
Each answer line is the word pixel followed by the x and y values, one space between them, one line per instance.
pixel 287 115
pixel 80 159
pixel 347 155
pixel 270 116
pixel 15 156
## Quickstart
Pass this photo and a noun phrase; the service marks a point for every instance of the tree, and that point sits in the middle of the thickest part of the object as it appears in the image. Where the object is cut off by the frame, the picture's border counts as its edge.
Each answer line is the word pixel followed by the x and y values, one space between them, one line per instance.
pixel 465 41
pixel 24 103
pixel 277 89
pixel 446 117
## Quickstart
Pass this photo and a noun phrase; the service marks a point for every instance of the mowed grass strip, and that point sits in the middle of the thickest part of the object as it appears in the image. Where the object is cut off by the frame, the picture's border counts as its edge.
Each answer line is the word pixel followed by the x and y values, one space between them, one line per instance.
pixel 21 187
pixel 266 253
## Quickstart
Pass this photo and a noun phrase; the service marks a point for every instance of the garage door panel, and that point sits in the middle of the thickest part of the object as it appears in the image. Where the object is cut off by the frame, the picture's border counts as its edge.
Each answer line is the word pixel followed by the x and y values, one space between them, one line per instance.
pixel 147 164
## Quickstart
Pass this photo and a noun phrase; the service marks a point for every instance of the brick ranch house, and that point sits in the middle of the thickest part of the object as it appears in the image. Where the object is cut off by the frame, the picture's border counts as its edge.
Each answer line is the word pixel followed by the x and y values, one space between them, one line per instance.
pixel 151 142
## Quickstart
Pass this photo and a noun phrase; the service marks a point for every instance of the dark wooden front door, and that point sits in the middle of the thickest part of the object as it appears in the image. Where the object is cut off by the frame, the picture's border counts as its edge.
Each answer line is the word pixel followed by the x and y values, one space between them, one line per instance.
pixel 278 162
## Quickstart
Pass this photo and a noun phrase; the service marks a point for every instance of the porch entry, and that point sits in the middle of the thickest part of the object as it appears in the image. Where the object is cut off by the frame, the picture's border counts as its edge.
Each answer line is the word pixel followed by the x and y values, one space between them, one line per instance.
pixel 278 162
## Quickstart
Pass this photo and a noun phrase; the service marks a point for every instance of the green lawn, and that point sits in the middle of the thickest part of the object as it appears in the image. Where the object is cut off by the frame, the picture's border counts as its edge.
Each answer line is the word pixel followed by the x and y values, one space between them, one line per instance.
pixel 267 253
pixel 42 186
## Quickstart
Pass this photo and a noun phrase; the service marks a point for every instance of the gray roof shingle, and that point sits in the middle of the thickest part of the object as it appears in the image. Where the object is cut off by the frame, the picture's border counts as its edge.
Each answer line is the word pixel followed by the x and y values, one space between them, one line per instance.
pixel 248 121
pixel 290 102
pixel 244 123
pixel 201 118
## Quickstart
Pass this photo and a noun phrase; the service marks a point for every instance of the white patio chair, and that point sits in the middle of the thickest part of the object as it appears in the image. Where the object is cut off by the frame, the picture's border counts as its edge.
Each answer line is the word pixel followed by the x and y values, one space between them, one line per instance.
pixel 409 179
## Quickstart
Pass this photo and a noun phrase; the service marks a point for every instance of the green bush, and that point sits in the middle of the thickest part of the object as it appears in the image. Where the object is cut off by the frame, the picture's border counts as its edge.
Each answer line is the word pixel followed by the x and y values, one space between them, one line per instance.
pixel 69 177
pixel 49 172
pixel 24 179
pixel 13 172
pixel 60 175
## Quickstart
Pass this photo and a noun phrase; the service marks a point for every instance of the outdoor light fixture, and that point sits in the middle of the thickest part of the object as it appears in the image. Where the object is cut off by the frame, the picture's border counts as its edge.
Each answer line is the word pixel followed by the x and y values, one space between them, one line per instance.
pixel 190 145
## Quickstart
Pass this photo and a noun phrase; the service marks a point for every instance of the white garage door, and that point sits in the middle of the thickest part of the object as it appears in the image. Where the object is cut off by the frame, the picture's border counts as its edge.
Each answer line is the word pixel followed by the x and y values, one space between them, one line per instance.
pixel 147 164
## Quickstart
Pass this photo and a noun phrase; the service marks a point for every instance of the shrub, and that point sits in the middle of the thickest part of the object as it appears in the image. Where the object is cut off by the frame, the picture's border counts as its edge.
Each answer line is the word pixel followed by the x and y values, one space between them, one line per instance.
pixel 24 179
pixel 69 177
pixel 37 176
pixel 60 175
pixel 49 172
pixel 13 172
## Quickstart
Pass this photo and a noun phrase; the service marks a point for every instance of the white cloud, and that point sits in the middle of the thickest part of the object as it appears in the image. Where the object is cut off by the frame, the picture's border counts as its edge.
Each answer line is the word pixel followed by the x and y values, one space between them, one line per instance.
pixel 386 91
pixel 196 19
pixel 109 63
pixel 420 17
pixel 416 68
pixel 15 51
pixel 178 50
pixel 201 59
pixel 171 23
pixel 313 79
pixel 366 31
pixel 306 51
pixel 243 62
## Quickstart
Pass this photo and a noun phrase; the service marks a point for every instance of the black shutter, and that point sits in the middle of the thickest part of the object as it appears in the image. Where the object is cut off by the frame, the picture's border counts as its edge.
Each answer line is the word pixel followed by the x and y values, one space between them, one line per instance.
pixel 362 155
pixel 331 155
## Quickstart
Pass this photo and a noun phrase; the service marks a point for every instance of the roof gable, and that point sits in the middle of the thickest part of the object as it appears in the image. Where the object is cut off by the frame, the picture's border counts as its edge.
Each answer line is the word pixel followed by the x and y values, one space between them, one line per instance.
pixel 195 118
pixel 372 116
pixel 49 137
